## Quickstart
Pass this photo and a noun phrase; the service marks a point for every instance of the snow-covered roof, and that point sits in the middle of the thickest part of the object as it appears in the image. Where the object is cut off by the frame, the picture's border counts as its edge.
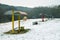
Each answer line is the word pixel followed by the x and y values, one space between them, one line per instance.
pixel 10 12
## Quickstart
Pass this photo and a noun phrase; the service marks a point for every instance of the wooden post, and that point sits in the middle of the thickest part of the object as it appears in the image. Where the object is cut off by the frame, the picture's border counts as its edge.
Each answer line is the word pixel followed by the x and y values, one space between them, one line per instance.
pixel 18 22
pixel 12 21
pixel 42 17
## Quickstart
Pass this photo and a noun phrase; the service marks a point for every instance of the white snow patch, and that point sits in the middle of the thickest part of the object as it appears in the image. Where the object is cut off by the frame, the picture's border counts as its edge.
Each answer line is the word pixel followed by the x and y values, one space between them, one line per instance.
pixel 49 30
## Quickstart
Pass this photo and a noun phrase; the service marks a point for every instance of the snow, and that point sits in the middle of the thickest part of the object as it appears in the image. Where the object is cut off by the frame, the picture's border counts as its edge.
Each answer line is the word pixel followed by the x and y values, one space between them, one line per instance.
pixel 49 30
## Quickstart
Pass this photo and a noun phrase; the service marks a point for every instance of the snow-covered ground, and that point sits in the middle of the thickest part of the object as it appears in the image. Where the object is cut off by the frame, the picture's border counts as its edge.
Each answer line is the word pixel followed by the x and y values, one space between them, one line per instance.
pixel 49 30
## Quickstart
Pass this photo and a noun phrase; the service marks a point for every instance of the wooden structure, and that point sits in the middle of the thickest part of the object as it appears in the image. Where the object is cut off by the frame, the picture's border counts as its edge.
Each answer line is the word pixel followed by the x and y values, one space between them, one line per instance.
pixel 18 12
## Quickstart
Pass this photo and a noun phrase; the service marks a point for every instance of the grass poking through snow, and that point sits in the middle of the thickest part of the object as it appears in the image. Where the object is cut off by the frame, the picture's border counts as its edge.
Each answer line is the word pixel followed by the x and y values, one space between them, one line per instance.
pixel 17 32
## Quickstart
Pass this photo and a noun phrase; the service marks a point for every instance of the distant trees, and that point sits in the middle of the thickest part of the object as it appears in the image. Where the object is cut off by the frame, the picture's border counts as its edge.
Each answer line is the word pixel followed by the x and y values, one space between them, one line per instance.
pixel 55 11
pixel 32 12
pixel 50 11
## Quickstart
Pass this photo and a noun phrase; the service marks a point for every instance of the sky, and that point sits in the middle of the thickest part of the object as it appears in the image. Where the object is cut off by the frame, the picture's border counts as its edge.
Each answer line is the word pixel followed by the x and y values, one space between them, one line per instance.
pixel 30 3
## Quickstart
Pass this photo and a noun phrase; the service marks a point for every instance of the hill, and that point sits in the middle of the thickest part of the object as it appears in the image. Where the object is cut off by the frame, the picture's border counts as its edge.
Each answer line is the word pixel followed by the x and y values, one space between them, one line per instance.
pixel 48 12
pixel 5 8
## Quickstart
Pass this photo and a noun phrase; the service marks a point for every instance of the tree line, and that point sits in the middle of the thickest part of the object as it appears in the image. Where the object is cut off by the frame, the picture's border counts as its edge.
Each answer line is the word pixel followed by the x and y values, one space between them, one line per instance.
pixel 32 12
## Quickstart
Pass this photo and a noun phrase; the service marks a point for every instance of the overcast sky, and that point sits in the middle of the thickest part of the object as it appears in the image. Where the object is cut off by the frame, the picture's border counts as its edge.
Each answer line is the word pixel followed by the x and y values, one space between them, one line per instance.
pixel 30 3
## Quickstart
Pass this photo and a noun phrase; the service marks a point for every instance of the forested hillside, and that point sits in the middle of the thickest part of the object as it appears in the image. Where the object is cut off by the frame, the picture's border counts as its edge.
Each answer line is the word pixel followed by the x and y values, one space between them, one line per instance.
pixel 32 12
